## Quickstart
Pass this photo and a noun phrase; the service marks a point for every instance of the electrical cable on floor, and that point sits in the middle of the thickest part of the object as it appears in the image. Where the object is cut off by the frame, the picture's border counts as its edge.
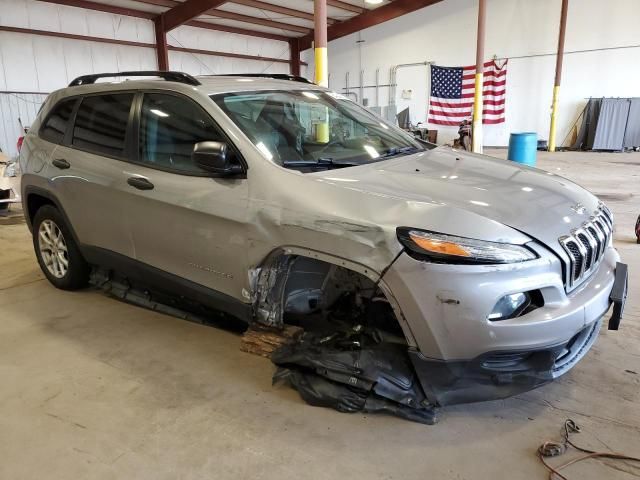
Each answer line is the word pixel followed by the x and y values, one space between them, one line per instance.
pixel 556 449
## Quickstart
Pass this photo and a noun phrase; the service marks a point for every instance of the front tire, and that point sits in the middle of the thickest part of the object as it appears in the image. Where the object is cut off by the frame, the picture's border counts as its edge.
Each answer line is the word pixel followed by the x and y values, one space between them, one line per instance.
pixel 58 254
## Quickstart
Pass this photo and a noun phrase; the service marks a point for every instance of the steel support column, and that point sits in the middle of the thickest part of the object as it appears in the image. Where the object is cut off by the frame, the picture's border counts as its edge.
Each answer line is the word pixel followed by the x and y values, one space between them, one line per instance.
pixel 162 52
pixel 320 38
pixel 477 96
pixel 321 62
pixel 294 57
pixel 558 79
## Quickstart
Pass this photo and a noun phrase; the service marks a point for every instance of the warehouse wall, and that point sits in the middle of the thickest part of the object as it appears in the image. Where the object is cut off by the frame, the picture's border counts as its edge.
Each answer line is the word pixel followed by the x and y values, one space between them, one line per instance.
pixel 31 63
pixel 446 34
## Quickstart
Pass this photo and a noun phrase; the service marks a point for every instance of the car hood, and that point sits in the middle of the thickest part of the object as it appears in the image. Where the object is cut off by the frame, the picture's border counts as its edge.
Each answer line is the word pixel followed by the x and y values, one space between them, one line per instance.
pixel 462 186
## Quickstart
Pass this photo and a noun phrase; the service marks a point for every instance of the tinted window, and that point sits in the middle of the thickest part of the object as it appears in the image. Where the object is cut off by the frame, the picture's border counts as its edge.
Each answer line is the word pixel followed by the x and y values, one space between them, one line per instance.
pixel 101 124
pixel 169 128
pixel 55 126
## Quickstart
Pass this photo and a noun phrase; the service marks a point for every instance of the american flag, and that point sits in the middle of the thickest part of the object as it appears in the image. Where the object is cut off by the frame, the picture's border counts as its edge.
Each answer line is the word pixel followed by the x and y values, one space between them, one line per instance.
pixel 452 93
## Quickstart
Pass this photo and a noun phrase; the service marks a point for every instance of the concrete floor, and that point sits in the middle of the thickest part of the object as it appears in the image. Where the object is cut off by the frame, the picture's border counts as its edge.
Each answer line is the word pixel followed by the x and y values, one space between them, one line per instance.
pixel 93 388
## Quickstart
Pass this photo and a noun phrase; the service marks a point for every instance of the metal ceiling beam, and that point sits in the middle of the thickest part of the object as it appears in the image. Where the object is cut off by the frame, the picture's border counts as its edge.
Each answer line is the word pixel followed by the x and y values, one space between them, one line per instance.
pixel 101 7
pixel 369 19
pixel 239 31
pixel 265 22
pixel 257 21
pixel 345 6
pixel 159 3
pixel 269 7
pixel 87 38
pixel 186 11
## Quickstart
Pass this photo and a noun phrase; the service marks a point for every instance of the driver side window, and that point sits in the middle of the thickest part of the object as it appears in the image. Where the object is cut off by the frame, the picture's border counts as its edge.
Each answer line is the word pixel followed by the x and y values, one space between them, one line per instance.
pixel 170 126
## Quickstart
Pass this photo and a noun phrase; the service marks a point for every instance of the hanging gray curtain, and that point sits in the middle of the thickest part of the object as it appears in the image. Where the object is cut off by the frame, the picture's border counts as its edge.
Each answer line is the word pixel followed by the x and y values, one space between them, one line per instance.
pixel 612 124
pixel 584 141
pixel 632 135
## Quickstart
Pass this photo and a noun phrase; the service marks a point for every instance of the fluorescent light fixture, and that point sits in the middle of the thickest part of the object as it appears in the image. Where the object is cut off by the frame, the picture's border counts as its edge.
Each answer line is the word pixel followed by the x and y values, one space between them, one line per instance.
pixel 373 2
pixel 159 113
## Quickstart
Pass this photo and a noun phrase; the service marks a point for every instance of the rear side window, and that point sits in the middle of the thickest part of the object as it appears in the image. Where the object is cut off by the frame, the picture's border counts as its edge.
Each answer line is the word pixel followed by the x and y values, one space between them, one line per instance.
pixel 55 127
pixel 170 126
pixel 101 124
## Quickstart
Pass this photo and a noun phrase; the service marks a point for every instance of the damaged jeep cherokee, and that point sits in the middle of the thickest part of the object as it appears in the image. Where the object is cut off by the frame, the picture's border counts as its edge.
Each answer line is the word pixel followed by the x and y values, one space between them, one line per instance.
pixel 273 200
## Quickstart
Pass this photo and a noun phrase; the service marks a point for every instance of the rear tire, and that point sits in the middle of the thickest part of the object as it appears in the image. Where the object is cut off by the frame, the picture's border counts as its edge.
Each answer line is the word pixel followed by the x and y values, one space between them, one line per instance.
pixel 58 254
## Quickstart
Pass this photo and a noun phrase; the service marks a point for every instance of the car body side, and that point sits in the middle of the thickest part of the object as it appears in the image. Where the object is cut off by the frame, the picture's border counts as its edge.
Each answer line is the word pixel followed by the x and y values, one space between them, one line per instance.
pixel 220 233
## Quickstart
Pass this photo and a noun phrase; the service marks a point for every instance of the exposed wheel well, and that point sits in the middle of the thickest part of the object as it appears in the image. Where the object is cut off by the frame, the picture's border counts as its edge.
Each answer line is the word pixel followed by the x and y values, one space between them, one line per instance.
pixel 297 289
pixel 34 203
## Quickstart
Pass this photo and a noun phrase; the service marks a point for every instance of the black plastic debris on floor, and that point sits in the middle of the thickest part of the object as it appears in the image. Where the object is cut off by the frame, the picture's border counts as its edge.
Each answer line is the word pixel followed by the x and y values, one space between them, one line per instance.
pixel 354 371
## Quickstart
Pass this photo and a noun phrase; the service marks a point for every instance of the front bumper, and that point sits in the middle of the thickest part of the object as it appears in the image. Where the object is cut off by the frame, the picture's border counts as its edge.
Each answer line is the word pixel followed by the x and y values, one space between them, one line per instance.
pixel 498 375
pixel 461 356
pixel 9 188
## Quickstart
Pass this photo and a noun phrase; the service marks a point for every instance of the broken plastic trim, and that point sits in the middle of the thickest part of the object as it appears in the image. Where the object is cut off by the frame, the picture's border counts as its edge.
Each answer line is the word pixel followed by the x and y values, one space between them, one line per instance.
pixel 354 371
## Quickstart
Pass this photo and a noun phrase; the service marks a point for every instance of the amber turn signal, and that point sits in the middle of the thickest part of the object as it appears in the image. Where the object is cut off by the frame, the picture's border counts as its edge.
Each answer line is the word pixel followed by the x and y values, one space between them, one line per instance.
pixel 438 246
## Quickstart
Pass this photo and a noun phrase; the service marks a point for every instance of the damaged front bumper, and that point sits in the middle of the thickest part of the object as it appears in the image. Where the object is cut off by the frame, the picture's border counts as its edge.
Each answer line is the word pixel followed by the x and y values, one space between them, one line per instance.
pixel 498 375
pixel 461 356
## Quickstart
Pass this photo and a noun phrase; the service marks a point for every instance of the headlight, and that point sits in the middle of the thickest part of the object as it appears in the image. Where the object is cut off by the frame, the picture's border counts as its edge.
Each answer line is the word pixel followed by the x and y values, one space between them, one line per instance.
pixel 441 248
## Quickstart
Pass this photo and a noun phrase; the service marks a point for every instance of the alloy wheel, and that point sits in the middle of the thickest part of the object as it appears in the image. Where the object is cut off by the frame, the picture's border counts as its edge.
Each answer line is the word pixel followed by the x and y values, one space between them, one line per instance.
pixel 53 248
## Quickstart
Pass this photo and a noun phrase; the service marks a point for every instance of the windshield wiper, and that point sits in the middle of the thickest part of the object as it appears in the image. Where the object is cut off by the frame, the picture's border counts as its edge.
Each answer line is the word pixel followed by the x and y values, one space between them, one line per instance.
pixel 320 162
pixel 392 152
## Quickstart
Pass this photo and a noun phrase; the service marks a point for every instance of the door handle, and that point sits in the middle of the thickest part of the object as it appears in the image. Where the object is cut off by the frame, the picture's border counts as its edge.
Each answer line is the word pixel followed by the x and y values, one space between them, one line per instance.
pixel 61 163
pixel 140 183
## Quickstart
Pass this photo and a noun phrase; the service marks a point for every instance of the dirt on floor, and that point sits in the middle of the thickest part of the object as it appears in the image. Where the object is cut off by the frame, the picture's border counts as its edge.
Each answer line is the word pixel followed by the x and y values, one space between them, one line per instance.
pixel 94 388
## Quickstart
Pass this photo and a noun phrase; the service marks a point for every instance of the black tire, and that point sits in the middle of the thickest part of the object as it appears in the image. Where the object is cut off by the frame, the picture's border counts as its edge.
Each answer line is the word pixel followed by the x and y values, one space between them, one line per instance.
pixel 76 275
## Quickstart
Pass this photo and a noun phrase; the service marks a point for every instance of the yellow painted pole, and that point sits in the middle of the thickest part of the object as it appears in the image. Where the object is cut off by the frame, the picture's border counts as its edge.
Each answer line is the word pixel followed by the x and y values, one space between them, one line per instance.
pixel 476 139
pixel 321 63
pixel 476 133
pixel 558 79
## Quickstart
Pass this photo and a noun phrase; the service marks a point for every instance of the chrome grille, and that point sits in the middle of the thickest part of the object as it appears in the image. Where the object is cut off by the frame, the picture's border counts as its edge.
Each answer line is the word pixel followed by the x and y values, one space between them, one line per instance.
pixel 585 246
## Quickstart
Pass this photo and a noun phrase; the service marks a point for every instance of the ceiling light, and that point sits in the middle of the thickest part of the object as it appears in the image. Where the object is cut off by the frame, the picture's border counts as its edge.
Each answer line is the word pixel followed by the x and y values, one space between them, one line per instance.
pixel 373 2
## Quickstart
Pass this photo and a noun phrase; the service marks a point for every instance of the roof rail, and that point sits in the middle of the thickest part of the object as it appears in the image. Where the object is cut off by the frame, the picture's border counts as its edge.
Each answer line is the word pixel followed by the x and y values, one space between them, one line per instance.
pixel 168 76
pixel 276 76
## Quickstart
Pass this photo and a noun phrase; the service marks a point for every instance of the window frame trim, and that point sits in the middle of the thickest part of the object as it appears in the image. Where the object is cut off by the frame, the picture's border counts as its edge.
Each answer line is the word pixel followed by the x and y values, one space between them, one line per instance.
pixel 50 113
pixel 134 158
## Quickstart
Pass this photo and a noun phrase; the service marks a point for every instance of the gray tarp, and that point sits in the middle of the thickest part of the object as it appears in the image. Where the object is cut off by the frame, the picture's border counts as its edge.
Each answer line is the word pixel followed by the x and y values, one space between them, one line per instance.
pixel 612 124
pixel 587 132
pixel 609 124
pixel 632 135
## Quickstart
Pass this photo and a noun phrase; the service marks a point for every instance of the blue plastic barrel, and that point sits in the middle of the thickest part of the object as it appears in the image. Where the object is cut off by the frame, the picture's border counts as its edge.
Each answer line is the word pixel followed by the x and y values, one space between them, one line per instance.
pixel 523 148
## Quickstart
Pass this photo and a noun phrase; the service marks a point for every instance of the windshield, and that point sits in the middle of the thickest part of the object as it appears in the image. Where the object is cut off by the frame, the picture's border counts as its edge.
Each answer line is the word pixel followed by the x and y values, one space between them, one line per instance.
pixel 307 130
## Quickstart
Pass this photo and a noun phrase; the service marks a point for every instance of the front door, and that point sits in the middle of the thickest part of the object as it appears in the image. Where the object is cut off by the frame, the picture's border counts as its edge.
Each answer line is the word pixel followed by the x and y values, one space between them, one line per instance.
pixel 184 222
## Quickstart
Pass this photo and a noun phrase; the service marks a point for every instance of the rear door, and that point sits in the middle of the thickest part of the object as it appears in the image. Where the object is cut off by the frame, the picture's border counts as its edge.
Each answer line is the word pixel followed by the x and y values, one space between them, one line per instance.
pixel 185 222
pixel 86 171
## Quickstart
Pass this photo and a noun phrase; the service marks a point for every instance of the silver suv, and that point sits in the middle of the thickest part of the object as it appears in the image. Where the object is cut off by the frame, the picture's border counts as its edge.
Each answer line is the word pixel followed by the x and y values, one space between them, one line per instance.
pixel 271 199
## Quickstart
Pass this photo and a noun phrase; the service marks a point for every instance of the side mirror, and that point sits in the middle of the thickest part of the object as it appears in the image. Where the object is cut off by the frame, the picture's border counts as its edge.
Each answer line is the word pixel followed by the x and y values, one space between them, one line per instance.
pixel 214 158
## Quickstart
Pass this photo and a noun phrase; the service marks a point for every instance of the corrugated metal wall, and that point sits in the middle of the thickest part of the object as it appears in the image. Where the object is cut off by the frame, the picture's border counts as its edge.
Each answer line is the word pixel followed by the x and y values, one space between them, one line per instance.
pixel 44 64
pixel 16 107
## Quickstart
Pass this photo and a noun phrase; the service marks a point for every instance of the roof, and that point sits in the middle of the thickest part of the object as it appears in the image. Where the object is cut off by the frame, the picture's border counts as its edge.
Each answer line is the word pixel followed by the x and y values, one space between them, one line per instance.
pixel 209 85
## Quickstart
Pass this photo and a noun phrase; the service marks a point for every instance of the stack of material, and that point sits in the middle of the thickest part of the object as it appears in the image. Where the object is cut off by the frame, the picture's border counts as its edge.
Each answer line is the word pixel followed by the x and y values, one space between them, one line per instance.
pixel 263 341
pixel 354 371
pixel 609 124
